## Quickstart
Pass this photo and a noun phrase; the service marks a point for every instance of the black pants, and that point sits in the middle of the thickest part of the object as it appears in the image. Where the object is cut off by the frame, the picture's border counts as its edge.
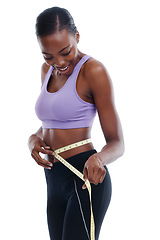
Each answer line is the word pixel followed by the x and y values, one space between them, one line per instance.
pixel 68 207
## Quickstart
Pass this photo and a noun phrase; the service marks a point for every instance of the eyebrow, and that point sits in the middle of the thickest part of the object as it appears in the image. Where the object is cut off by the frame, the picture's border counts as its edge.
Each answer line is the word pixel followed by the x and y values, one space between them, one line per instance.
pixel 58 52
pixel 63 49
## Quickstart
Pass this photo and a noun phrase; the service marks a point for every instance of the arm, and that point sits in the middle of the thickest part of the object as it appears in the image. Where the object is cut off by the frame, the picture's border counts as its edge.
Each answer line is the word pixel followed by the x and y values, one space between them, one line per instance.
pixel 35 142
pixel 103 96
pixel 102 92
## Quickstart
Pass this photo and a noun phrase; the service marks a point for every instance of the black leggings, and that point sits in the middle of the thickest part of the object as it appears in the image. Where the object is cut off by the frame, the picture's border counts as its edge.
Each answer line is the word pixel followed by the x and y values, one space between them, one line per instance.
pixel 68 206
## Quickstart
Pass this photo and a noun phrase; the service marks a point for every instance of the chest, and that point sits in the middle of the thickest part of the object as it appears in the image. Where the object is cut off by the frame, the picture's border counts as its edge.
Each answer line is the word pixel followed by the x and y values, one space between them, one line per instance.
pixel 57 82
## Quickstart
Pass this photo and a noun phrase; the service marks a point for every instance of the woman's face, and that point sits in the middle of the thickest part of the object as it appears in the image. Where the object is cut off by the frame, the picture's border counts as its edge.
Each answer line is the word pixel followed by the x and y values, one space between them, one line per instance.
pixel 60 51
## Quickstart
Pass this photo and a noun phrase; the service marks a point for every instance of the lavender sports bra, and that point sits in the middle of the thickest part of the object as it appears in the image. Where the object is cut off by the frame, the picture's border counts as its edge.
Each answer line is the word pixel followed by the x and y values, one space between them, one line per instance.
pixel 64 109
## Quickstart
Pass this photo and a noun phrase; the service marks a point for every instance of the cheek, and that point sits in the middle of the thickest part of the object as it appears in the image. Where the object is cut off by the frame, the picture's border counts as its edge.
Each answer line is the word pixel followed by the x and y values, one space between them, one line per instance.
pixel 47 62
pixel 73 54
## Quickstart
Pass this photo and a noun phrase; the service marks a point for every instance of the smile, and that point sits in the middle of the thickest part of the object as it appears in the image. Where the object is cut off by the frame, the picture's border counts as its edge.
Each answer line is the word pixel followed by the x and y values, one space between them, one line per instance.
pixel 63 69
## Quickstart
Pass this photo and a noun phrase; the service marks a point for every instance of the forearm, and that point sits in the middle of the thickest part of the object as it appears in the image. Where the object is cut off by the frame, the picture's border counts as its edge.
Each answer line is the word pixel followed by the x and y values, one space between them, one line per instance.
pixel 111 152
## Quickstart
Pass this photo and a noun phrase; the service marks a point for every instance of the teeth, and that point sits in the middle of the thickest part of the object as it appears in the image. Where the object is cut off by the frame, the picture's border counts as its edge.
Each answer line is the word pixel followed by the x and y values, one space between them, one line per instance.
pixel 63 69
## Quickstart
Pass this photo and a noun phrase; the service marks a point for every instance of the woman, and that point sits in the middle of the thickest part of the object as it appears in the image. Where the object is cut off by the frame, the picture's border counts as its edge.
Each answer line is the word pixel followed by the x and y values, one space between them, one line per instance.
pixel 74 87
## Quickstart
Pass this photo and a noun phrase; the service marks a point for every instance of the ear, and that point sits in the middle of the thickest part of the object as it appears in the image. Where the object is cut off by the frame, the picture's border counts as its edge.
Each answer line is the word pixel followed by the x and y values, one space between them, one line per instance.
pixel 77 36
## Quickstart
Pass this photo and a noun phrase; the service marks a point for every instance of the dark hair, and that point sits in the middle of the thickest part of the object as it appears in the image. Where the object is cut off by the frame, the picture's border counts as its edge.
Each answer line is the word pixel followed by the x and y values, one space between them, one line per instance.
pixel 54 19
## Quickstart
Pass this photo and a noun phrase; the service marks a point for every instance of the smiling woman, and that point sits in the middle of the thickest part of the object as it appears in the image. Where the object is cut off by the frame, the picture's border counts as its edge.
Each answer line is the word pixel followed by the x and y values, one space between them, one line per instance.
pixel 60 50
pixel 74 88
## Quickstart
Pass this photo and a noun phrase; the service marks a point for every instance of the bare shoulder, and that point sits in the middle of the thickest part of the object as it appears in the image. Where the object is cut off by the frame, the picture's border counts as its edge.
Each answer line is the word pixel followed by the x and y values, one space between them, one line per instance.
pixel 96 75
pixel 94 65
pixel 44 70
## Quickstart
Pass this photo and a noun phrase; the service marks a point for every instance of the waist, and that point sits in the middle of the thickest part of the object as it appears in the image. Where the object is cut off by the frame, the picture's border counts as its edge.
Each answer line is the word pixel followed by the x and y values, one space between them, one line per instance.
pixel 76 161
pixel 58 138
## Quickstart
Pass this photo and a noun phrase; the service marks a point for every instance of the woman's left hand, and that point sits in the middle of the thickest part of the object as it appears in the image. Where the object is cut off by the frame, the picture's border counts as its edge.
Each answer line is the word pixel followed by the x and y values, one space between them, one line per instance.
pixel 94 170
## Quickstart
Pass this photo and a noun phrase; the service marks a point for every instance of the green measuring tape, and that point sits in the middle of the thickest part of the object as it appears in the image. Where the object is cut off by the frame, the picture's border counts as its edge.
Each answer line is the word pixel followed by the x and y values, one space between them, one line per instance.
pixel 80 175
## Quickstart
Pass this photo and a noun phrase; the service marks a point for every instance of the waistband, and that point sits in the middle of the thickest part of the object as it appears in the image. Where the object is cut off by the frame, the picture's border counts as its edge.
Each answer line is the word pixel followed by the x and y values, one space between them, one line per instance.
pixel 77 160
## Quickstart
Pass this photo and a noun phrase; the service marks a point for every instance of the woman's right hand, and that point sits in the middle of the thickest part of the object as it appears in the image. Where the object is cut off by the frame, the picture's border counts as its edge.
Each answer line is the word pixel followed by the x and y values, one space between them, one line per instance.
pixel 36 146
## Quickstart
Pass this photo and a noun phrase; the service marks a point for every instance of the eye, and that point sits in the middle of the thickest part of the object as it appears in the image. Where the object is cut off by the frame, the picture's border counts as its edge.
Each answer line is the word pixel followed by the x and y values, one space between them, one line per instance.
pixel 47 58
pixel 67 53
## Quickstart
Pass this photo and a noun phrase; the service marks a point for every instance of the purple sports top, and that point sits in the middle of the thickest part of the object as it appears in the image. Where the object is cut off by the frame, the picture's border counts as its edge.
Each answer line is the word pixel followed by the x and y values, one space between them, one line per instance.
pixel 64 109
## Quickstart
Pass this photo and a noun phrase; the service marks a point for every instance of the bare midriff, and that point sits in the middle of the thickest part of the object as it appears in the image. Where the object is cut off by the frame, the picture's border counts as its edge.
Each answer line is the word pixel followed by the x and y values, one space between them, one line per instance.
pixel 57 138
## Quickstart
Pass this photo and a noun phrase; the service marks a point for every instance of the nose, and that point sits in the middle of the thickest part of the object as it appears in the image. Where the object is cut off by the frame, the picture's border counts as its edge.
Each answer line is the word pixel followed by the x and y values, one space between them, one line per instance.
pixel 59 62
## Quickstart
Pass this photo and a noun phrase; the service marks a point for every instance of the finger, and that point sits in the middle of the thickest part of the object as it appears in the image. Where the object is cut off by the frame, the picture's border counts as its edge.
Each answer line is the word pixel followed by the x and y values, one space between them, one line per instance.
pixel 96 176
pixel 103 175
pixel 90 174
pixel 44 151
pixel 40 161
pixel 85 173
pixel 45 148
pixel 43 165
pixel 84 186
pixel 100 176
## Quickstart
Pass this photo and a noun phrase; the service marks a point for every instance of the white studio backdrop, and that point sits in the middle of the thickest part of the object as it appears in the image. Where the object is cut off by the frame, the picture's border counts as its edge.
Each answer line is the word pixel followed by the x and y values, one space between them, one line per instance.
pixel 125 37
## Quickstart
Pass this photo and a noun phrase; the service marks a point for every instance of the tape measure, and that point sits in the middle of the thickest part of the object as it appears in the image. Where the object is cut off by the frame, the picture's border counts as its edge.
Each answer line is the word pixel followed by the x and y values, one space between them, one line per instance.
pixel 80 175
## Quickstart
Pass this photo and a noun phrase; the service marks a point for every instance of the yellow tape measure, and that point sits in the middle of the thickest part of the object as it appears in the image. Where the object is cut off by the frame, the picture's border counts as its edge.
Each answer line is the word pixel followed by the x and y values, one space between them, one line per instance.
pixel 80 175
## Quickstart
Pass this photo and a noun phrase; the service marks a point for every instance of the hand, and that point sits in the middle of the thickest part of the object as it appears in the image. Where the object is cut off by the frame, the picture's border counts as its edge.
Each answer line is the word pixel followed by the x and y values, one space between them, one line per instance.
pixel 36 146
pixel 94 170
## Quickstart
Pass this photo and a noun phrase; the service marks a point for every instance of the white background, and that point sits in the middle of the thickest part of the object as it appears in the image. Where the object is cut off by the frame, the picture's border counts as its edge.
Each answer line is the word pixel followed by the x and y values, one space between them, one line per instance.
pixel 125 37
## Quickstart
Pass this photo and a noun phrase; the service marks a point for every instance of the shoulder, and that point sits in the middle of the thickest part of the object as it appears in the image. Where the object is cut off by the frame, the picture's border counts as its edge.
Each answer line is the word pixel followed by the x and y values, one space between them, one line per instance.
pixel 44 70
pixel 93 64
pixel 97 76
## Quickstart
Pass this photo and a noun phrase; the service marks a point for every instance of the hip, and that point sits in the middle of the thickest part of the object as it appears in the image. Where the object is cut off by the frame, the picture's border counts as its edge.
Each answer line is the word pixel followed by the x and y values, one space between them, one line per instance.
pixel 62 173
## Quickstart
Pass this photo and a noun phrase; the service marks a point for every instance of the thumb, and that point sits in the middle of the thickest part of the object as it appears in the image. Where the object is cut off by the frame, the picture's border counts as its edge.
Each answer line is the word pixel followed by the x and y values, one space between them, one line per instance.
pixel 85 176
pixel 85 173
pixel 47 147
